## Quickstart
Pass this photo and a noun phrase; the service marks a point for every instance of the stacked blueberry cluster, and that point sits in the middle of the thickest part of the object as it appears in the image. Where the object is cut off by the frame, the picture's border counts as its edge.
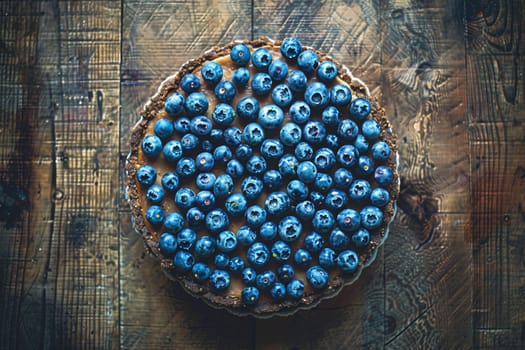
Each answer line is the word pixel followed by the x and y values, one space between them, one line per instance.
pixel 304 175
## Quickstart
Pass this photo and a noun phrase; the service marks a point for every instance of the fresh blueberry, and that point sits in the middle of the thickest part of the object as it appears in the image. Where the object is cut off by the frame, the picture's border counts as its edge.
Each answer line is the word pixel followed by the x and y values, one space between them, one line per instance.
pixel 265 279
pixel 305 210
pixel 343 178
pixel 336 199
pixel 314 132
pixel 347 261
pixel 155 194
pixel 327 258
pixel 243 152
pixel 251 187
pixel 291 48
pixel 220 280
pixel 232 136
pixel 272 149
pixel 379 197
pixel 282 95
pixel 281 251
pixel 248 109
pixel 278 70
pixel 380 151
pixel 186 167
pixel 371 217
pixel 234 168
pixel 189 143
pixel 174 104
pixel 290 134
pixel 248 276
pixel 317 277
pixel 365 166
pixel 205 201
pixel 246 236
pixel 190 83
pixel 205 247
pixel 370 129
pixel 323 182
pixel 287 165
pixel 207 146
pixel 174 222
pixel 223 186
pixel 304 151
pixel 323 221
pixel 262 58
pixel 146 175
pixel 256 165
pixel 204 161
pixel 340 95
pixel 195 217
pixel 306 171
pixel 297 190
pixel 313 241
pixel 330 115
pixel 348 220
pixel 240 77
pixel 258 254
pixel 268 231
pixel 359 108
pixel 261 83
pixel 196 103
pixel 216 136
pixel 272 180
pixel 217 220
pixel 253 134
pixel 201 125
pixel 332 141
pixel 240 54
pixel 299 112
pixel 221 260
pixel 361 238
pixel 297 81
pixel 182 125
pixel 201 271
pixel 151 145
pixel 285 273
pixel 173 150
pixel 235 204
pixel 223 114
pixel 360 190
pixel 183 261
pixel 278 291
pixel 226 241
pixel 163 128
pixel 347 156
pixel 255 216
pixel 317 95
pixel 384 175
pixel 338 240
pixel 186 238
pixel 361 143
pixel 225 91
pixel 184 198
pixel 155 215
pixel 290 228
pixel 205 181
pixel 295 288
pixel 308 61
pixel 167 244
pixel 250 295
pixel 327 71
pixel 277 203
pixel 347 130
pixel 222 154
pixel 271 116
pixel 212 72
pixel 324 159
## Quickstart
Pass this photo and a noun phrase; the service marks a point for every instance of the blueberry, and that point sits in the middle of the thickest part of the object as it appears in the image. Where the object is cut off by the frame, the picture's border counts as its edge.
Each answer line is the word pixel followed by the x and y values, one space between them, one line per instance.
pixel 195 217
pixel 205 181
pixel 380 151
pixel 278 70
pixel 155 215
pixel 278 291
pixel 295 288
pixel 151 145
pixel 258 254
pixel 384 175
pixel 297 190
pixel 277 203
pixel 226 241
pixel 186 167
pixel 304 151
pixel 290 134
pixel 308 61
pixel 268 231
pixel 167 244
pixel 246 236
pixel 184 198
pixel 174 222
pixel 216 136
pixel 335 199
pixel 314 132
pixel 240 77
pixel 343 178
pixel 370 129
pixel 146 175
pixel 190 83
pixel 250 295
pixel 262 58
pixel 360 190
pixel 253 134
pixel 317 277
pixel 271 116
pixel 223 186
pixel 272 180
pixel 285 273
pixel 220 280
pixel 361 143
pixel 379 197
pixel 340 95
pixel 212 72
pixel 186 238
pixel 330 115
pixel 306 172
pixel 323 221
pixel 327 71
pixel 234 168
pixel 317 198
pixel 324 159
pixel 221 260
pixel 347 156
pixel 205 247
pixel 204 161
pixel 196 103
pixel 272 149
pixel 243 152
pixel 223 114
pixel 248 108
pixel 182 125
pixel 365 166
pixel 371 217
pixel 338 240
pixel 222 154
pixel 248 276
pixel 361 238
pixel 201 271
pixel 348 220
pixel 255 216
pixel 290 228
pixel 207 145
pixel 189 143
pixel 317 95
pixel 240 54
pixel 155 194
pixel 217 220
pixel 265 279
pixel 327 258
pixel 201 125
pixel 183 261
pixel 305 210
pixel 347 130
pixel 163 128
pixel 224 91
pixel 261 83
pixel 313 241
pixel 359 108
pixel 347 261
pixel 205 200
pixel 251 187
pixel 282 95
pixel 288 165
pixel 235 204
pixel 174 104
pixel 297 81
pixel 281 251
pixel 323 182
pixel 172 150
pixel 256 165
pixel 232 136
pixel 299 112
pixel 291 48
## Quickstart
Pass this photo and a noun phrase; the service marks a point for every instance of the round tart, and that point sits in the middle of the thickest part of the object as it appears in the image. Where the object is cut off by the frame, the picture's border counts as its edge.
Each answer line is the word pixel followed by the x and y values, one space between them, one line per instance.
pixel 263 176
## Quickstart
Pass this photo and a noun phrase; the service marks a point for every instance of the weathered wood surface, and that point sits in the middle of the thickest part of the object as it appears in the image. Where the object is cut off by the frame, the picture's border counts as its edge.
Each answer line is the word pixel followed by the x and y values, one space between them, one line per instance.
pixel 73 274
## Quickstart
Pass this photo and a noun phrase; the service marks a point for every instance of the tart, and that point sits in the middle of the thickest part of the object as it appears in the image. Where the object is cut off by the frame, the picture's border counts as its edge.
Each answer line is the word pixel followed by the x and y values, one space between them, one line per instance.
pixel 263 176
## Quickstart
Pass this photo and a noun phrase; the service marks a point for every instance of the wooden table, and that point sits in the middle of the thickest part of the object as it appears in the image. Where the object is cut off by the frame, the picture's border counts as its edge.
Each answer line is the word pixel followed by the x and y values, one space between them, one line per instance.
pixel 74 75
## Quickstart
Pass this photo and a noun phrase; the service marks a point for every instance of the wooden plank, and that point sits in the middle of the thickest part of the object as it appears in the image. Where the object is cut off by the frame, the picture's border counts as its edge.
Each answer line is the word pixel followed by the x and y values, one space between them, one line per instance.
pixel 158 37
